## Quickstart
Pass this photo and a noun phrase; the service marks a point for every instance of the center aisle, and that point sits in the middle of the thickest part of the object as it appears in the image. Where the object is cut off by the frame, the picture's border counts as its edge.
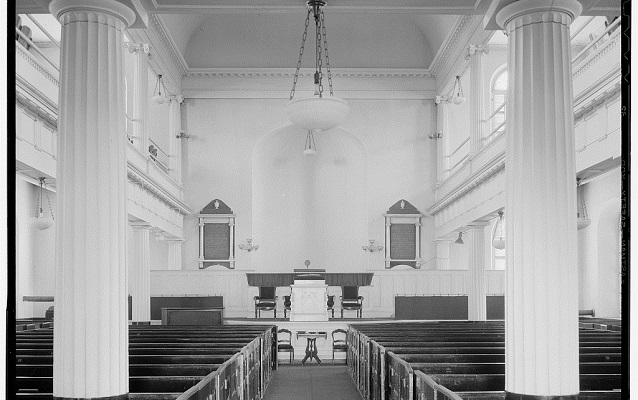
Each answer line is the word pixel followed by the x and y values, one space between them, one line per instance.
pixel 311 382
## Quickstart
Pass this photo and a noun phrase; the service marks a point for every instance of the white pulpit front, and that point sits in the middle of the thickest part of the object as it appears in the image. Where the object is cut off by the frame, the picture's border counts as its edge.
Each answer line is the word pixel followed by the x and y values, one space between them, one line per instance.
pixel 309 298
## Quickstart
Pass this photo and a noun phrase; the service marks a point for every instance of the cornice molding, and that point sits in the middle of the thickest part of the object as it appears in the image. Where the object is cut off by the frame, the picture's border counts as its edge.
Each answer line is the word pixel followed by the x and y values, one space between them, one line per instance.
pixel 487 172
pixel 306 72
pixel 43 112
pixel 612 42
pixel 452 42
pixel 157 25
pixel 22 52
pixel 136 176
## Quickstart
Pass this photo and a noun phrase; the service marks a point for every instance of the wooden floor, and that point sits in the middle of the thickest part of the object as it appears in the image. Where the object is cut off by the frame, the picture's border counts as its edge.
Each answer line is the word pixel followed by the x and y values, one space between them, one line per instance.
pixel 312 382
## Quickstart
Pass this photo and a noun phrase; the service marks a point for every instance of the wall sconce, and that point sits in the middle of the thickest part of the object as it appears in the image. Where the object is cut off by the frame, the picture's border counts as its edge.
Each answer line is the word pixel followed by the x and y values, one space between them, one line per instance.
pixel 460 239
pixel 372 247
pixel 457 92
pixel 248 246
pixel 158 97
pixel 435 135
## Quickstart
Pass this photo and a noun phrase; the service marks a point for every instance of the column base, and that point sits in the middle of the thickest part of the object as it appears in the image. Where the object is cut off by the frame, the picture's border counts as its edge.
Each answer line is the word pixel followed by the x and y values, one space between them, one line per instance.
pixel 118 397
pixel 141 323
pixel 518 396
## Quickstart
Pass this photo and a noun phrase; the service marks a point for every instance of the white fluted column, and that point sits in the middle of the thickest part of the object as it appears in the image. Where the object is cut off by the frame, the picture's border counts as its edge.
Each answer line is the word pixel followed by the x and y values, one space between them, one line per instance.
pixel 443 132
pixel 174 254
pixel 90 345
pixel 477 99
pixel 140 96
pixel 541 301
pixel 140 274
pixel 476 273
pixel 443 254
pixel 175 143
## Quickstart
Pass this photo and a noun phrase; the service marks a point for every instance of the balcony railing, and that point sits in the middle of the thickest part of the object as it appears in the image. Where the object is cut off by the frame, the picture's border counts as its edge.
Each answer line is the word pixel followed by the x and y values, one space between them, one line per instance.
pixel 159 156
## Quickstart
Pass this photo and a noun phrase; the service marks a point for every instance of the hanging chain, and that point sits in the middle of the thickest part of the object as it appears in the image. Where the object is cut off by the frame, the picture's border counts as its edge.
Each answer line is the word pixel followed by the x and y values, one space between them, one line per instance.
pixel 319 62
pixel 325 44
pixel 50 208
pixel 303 42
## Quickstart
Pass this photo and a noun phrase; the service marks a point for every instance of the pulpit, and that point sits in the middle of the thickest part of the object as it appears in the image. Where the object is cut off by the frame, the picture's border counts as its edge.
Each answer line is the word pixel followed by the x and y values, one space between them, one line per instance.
pixel 309 296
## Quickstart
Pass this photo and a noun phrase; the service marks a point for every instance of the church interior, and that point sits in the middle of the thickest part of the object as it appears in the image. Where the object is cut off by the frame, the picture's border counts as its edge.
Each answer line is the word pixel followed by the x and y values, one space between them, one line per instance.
pixel 423 196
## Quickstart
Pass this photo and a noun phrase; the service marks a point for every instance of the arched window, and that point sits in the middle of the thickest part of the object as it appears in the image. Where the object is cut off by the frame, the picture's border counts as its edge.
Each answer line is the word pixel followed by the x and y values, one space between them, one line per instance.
pixel 498 90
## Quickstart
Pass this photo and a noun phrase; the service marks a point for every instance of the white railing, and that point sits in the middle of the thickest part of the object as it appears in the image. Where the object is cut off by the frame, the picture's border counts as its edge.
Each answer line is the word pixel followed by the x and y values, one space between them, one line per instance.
pixel 498 129
pixel 453 154
pixel 159 156
pixel 37 49
pixel 595 41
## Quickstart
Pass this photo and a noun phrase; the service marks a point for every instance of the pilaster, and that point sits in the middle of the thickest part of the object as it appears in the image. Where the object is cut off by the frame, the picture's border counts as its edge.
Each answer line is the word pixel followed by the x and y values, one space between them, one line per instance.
pixel 140 96
pixel 442 134
pixel 477 99
pixel 175 143
pixel 174 254
pixel 140 274
pixel 476 273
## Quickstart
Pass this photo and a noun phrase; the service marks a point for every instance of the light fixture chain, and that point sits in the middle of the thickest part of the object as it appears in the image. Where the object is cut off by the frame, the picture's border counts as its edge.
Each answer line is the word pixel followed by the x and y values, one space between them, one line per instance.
pixel 319 58
pixel 50 208
pixel 325 45
pixel 303 42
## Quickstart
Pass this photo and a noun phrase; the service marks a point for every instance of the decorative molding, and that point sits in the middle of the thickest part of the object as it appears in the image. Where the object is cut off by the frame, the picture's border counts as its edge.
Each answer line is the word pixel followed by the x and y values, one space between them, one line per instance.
pixel 475 180
pixel 43 114
pixel 452 42
pixel 150 186
pixel 596 101
pixel 158 26
pixel 306 72
pixel 474 48
pixel 20 50
pixel 611 43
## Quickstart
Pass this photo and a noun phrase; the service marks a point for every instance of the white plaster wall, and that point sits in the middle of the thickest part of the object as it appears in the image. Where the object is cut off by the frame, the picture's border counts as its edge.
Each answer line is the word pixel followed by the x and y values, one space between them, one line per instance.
pixel 380 155
pixel 159 253
pixel 35 252
pixel 599 261
pixel 391 133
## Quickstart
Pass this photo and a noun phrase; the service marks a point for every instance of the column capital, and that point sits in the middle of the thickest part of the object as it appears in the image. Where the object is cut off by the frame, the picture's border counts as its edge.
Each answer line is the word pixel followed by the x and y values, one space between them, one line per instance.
pixel 140 48
pixel 476 49
pixel 59 7
pixel 140 225
pixel 536 11
pixel 176 99
pixel 441 99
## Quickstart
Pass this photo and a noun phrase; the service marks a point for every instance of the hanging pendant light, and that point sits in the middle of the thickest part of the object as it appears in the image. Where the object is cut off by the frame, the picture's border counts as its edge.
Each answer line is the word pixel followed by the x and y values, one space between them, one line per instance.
pixel 583 220
pixel 498 233
pixel 310 149
pixel 40 221
pixel 457 92
pixel 316 113
pixel 158 96
pixel 460 239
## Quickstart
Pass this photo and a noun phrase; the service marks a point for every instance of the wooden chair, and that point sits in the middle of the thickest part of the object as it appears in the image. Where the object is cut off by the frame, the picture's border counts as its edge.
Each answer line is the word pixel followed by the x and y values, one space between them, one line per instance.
pixel 285 344
pixel 339 344
pixel 350 300
pixel 287 304
pixel 330 304
pixel 266 300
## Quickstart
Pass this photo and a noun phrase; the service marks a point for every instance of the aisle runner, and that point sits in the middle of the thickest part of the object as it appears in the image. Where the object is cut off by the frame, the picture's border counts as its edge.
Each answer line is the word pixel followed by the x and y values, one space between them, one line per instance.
pixel 311 382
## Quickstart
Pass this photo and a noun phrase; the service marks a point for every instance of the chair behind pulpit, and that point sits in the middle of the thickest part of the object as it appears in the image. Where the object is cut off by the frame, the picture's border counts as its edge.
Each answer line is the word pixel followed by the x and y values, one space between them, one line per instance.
pixel 266 301
pixel 350 300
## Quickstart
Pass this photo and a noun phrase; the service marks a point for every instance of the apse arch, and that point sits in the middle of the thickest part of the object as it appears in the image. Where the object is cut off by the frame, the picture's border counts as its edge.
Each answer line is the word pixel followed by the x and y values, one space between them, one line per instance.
pixel 608 263
pixel 309 207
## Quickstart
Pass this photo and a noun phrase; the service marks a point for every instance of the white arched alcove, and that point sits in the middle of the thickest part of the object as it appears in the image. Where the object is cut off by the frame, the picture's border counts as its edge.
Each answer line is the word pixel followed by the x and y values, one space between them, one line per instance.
pixel 608 243
pixel 309 207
